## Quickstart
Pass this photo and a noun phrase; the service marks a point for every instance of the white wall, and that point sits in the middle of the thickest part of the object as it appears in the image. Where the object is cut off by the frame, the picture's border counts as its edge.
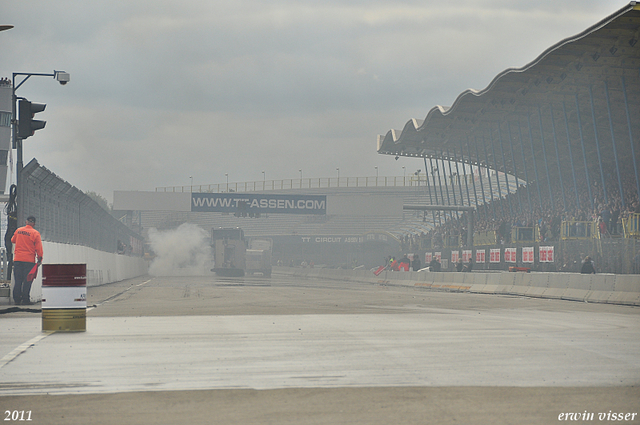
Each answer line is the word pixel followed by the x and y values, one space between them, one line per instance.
pixel 365 204
pixel 151 201
pixel 102 267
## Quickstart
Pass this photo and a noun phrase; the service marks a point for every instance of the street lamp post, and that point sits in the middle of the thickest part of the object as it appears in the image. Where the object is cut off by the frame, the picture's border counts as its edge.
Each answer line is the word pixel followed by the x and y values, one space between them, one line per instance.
pixel 63 78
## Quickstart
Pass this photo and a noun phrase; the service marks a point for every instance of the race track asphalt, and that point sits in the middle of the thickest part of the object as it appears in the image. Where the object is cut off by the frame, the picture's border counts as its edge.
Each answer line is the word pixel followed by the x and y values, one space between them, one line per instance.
pixel 208 350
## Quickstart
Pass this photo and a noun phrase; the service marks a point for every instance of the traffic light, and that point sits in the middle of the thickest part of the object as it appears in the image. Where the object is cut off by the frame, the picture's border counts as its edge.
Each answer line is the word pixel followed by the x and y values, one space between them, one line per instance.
pixel 26 124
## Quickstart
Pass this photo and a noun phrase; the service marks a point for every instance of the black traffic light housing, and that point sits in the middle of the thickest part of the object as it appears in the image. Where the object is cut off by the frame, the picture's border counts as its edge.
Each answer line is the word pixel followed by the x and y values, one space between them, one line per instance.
pixel 26 124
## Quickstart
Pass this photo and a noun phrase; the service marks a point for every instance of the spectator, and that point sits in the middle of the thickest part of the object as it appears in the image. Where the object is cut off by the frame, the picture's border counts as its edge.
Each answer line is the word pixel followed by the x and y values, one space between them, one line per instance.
pixel 587 266
pixel 468 267
pixel 415 264
pixel 404 263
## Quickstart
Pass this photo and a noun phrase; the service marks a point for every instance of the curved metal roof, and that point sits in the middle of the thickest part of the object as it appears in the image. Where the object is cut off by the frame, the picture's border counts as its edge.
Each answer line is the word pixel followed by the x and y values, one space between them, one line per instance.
pixel 581 92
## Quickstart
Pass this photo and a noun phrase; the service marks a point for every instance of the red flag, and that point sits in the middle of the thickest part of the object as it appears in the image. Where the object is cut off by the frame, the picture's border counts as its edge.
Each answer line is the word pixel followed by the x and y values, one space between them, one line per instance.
pixel 33 273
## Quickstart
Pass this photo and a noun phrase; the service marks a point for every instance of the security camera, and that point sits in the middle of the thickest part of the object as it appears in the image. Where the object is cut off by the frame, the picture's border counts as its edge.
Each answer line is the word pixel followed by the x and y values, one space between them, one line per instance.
pixel 62 77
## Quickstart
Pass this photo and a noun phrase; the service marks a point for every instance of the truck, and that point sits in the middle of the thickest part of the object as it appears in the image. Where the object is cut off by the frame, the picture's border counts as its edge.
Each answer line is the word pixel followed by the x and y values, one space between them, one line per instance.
pixel 234 255
pixel 229 251
pixel 258 256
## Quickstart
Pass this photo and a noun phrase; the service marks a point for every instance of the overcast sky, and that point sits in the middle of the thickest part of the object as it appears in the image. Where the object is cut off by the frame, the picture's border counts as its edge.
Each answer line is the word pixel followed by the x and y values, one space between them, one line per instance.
pixel 164 90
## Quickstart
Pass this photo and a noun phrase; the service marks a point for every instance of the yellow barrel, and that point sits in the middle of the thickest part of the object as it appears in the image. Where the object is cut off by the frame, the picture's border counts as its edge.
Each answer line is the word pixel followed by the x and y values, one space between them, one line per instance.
pixel 64 319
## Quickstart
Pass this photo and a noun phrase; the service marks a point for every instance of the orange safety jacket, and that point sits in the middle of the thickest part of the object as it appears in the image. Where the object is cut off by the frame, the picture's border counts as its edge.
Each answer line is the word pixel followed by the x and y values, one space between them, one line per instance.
pixel 27 244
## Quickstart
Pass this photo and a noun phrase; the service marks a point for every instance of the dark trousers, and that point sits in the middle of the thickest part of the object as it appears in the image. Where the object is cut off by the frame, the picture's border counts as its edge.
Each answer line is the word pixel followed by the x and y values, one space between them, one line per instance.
pixel 22 288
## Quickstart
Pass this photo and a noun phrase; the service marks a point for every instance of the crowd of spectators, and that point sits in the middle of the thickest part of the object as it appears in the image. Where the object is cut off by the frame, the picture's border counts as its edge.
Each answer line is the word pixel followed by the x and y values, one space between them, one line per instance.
pixel 532 206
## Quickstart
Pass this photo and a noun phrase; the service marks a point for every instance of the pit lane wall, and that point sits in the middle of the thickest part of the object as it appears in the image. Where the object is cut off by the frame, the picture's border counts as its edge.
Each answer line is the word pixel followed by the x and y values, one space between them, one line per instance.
pixel 102 267
pixel 598 288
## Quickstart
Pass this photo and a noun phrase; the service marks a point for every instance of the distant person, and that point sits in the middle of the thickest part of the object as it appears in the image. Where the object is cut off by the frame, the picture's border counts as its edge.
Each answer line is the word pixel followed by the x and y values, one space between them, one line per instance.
pixel 459 265
pixel 587 266
pixel 434 265
pixel 394 265
pixel 404 263
pixel 415 264
pixel 468 267
pixel 27 246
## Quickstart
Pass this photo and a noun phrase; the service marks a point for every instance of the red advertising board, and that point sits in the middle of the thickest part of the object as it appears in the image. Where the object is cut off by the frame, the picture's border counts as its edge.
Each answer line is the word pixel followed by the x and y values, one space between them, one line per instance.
pixel 467 254
pixel 455 255
pixel 428 256
pixel 527 254
pixel 510 255
pixel 494 255
pixel 546 254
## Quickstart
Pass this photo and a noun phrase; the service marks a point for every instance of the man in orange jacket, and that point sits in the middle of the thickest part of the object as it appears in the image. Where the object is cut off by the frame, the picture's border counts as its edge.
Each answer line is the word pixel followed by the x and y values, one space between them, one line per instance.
pixel 27 245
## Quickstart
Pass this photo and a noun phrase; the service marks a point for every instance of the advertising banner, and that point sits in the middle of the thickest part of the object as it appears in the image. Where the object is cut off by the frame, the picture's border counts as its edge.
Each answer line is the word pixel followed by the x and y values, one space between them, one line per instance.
pixel 510 255
pixel 258 203
pixel 527 254
pixel 480 254
pixel 455 255
pixel 466 255
pixel 494 255
pixel 546 254
pixel 428 256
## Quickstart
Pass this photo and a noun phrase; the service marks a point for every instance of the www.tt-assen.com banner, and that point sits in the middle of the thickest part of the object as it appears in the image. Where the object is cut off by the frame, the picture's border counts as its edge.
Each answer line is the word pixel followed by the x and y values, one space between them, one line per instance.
pixel 251 203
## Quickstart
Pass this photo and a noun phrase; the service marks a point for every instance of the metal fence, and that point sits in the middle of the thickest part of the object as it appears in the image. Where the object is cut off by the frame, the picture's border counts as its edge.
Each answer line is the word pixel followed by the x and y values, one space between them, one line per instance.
pixel 329 182
pixel 66 215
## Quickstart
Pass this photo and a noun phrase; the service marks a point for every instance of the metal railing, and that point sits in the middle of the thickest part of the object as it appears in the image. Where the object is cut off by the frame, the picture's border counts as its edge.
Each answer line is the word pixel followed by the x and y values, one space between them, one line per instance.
pixel 485 238
pixel 311 183
pixel 578 230
pixel 631 226
pixel 525 234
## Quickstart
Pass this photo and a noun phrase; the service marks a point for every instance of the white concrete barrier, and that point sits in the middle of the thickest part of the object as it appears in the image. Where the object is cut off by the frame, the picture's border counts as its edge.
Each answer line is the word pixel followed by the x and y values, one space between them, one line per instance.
pixel 602 288
pixel 102 267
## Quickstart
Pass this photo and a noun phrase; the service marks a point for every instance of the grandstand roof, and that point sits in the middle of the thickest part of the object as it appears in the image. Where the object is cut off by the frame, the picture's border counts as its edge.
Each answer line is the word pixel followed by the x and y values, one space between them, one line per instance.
pixel 589 84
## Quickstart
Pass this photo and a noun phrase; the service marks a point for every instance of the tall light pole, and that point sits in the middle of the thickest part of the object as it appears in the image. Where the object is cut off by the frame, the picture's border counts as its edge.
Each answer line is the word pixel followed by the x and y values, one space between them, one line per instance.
pixel 191 177
pixel 60 76
pixel 264 180
pixel 227 176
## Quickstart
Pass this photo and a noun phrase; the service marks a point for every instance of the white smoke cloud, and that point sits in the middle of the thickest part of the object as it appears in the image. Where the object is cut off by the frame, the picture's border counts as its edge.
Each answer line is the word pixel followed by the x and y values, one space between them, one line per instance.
pixel 185 251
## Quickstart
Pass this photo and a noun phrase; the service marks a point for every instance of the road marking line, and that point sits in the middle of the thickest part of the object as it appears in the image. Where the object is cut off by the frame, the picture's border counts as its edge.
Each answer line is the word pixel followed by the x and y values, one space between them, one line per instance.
pixel 118 294
pixel 22 348
pixel 144 283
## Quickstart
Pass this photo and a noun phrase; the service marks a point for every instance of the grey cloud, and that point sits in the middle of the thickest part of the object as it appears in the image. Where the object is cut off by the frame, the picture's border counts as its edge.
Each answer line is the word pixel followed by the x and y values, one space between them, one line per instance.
pixel 202 88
